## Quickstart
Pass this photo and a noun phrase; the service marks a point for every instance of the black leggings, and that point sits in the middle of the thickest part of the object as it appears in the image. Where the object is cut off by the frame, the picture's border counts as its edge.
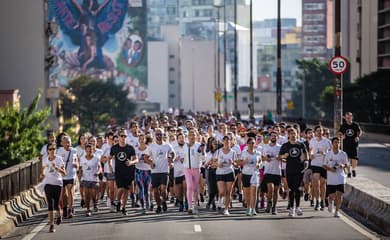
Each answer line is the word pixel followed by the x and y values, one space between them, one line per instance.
pixel 212 181
pixel 53 193
pixel 294 182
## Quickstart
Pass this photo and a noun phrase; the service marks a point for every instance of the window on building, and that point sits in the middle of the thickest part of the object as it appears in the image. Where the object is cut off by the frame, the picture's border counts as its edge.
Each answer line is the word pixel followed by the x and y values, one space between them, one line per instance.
pixel 313 17
pixel 171 56
pixel 314 39
pixel 171 81
pixel 172 95
pixel 171 11
pixel 313 6
pixel 196 13
pixel 171 69
pixel 314 28
pixel 245 99
pixel 257 99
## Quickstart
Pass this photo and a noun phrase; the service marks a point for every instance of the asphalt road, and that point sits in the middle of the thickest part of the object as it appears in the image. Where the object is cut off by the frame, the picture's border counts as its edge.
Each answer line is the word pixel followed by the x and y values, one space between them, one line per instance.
pixel 174 225
pixel 374 158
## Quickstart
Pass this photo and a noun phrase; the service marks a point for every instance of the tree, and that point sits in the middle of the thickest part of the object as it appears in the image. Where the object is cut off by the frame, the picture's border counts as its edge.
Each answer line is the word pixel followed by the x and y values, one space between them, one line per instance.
pixel 317 77
pixel 95 102
pixel 327 101
pixel 21 133
pixel 369 97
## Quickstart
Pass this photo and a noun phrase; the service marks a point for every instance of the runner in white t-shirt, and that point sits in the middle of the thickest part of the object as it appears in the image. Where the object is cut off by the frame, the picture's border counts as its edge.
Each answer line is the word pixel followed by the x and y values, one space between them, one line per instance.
pixel 272 172
pixel 160 155
pixel 143 172
pixel 90 170
pixel 69 156
pixel 250 160
pixel 225 174
pixel 53 169
pixel 335 162
pixel 180 184
pixel 318 146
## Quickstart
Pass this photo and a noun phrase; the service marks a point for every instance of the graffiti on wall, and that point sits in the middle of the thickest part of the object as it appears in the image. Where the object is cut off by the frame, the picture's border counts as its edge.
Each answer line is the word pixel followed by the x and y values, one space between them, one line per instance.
pixel 104 39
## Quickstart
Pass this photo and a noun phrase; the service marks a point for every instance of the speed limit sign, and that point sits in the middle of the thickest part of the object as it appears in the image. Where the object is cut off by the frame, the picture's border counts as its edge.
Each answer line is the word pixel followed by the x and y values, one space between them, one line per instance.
pixel 338 65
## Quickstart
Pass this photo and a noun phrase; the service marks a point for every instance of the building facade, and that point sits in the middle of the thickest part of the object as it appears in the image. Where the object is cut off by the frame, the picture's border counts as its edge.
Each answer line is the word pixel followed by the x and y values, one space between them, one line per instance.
pixel 316 29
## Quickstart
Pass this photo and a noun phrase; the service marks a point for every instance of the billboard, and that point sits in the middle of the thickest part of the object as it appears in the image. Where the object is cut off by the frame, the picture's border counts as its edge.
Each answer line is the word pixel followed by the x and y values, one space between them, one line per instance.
pixel 105 39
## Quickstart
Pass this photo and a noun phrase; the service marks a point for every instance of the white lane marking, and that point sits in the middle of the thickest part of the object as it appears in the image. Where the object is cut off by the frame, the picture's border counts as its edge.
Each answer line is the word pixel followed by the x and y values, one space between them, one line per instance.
pixel 197 228
pixel 358 228
pixel 36 230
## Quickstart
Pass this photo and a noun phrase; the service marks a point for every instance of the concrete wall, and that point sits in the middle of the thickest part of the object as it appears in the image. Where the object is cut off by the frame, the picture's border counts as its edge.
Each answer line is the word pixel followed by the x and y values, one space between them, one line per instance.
pixel 22 47
pixel 158 73
pixel 197 75
pixel 171 35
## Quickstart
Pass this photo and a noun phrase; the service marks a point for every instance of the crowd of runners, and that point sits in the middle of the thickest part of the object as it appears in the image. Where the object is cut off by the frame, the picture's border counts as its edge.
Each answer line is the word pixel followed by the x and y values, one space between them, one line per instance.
pixel 199 160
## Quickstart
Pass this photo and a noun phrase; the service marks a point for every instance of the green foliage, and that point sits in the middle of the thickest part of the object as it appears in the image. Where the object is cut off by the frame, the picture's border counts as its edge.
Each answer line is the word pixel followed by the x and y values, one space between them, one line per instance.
pixel 369 97
pixel 317 77
pixel 21 133
pixel 95 103
pixel 327 101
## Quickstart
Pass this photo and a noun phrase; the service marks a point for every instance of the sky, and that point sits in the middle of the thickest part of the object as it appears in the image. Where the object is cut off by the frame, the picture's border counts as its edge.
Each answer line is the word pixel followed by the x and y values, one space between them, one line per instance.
pixel 265 9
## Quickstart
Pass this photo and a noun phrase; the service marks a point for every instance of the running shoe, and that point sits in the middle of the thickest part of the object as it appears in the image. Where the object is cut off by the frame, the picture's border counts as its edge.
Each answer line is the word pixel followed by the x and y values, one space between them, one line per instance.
pixel 322 205
pixel 52 229
pixel 58 219
pixel 164 206
pixel 248 211
pixel 274 211
pixel 226 212
pixel 291 213
pixel 158 210
pixel 306 197
pixel 337 214
pixel 124 212
pixel 268 209
pixel 353 173
pixel 317 206
pixel 299 211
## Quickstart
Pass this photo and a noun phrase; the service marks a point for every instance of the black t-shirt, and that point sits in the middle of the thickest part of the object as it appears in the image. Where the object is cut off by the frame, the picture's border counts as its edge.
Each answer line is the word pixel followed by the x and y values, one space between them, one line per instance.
pixel 350 131
pixel 294 165
pixel 121 154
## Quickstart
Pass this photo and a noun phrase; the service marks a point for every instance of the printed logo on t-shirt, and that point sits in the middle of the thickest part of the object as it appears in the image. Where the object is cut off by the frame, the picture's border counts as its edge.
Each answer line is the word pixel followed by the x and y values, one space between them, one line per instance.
pixel 294 152
pixel 121 156
pixel 349 132
pixel 160 153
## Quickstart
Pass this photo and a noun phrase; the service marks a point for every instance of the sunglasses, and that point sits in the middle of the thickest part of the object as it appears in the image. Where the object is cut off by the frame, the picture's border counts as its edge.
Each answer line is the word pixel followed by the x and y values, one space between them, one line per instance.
pixel 123 136
pixel 158 134
pixel 51 149
pixel 251 143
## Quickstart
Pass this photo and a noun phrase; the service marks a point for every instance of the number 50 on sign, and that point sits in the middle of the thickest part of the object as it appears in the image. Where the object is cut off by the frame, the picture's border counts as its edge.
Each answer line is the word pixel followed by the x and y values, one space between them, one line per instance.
pixel 338 65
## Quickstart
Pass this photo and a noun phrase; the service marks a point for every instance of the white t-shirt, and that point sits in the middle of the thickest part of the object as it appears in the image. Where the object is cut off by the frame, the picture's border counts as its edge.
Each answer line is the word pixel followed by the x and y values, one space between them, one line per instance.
pixel 71 171
pixel 178 166
pixel 174 144
pixel 331 159
pixel 250 167
pixel 273 166
pixel 90 168
pixel 192 156
pixel 210 156
pixel 106 148
pixel 159 155
pixel 52 176
pixel 44 151
pixel 132 140
pixel 226 160
pixel 317 149
pixel 141 165
pixel 80 151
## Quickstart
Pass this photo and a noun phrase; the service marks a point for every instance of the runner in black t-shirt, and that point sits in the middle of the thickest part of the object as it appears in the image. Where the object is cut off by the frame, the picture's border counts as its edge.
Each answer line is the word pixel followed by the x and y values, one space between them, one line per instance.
pixel 294 154
pixel 125 160
pixel 351 133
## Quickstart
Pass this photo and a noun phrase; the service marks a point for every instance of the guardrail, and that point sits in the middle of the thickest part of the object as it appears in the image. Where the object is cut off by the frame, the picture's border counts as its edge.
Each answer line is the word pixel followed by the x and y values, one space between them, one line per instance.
pixel 366 127
pixel 19 178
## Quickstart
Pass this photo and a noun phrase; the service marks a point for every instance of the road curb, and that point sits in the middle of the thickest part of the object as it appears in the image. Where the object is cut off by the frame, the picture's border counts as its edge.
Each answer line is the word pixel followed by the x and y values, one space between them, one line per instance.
pixel 370 200
pixel 19 209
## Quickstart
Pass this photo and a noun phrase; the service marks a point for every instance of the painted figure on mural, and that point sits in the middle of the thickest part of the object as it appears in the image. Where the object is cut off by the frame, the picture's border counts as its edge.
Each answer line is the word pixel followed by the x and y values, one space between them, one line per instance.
pixel 133 49
pixel 89 24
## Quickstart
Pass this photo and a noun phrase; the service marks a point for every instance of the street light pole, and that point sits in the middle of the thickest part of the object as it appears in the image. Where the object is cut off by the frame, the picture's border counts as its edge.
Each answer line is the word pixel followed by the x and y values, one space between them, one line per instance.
pixel 338 90
pixel 251 94
pixel 224 59
pixel 217 5
pixel 278 67
pixel 235 59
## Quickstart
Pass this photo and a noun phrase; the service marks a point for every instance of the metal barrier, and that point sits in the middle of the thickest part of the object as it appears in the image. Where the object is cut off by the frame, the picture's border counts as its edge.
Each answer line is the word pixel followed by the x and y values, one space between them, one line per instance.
pixel 19 178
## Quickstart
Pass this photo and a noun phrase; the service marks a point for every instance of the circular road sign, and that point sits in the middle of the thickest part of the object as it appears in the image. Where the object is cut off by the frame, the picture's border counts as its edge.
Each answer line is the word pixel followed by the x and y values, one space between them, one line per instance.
pixel 338 65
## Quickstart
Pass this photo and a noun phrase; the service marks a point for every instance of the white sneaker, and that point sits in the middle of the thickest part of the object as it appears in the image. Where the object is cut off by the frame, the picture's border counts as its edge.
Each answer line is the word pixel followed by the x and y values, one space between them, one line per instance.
pixel 108 203
pixel 291 213
pixel 226 212
pixel 299 211
pixel 337 214
pixel 330 207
